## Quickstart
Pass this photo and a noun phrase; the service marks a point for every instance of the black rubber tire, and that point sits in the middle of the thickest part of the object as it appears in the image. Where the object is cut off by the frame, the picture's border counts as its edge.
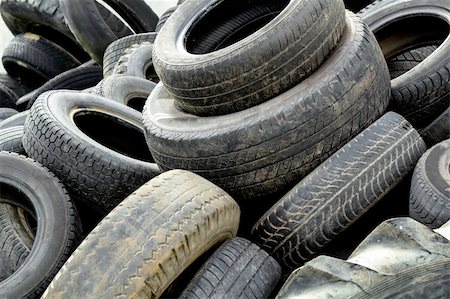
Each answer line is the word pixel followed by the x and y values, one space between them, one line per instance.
pixel 80 137
pixel 42 17
pixel 11 140
pixel 15 120
pixel 401 258
pixel 164 17
pixel 24 180
pixel 404 62
pixel 210 80
pixel 35 60
pixel 302 127
pixel 10 91
pixel 157 232
pixel 137 62
pixel 238 269
pixel 421 94
pixel 315 211
pixel 357 5
pixel 91 30
pixel 127 90
pixel 15 240
pixel 429 198
pixel 116 49
pixel 438 130
pixel 84 76
pixel 6 113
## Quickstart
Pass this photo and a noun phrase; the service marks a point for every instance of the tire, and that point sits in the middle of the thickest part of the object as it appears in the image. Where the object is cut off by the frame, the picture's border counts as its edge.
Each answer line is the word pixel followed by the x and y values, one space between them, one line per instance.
pixel 137 62
pixel 429 199
pixel 302 127
pixel 11 140
pixel 400 259
pixel 421 94
pixel 15 240
pixel 403 63
pixel 223 69
pixel 116 49
pixel 91 30
pixel 42 17
pixel 238 269
pixel 35 60
pixel 168 229
pixel 84 76
pixel 14 121
pixel 164 17
pixel 92 160
pixel 438 130
pixel 6 113
pixel 357 5
pixel 314 212
pixel 24 180
pixel 127 90
pixel 10 91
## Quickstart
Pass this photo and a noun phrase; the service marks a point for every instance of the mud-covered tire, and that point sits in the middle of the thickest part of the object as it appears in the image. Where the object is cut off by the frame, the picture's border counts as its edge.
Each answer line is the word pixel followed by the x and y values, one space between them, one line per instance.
pixel 269 148
pixel 81 138
pixel 137 62
pixel 116 49
pixel 157 232
pixel 94 33
pixel 401 258
pixel 228 62
pixel 127 90
pixel 438 130
pixel 429 199
pixel 238 269
pixel 25 181
pixel 11 140
pixel 315 211
pixel 35 60
pixel 421 94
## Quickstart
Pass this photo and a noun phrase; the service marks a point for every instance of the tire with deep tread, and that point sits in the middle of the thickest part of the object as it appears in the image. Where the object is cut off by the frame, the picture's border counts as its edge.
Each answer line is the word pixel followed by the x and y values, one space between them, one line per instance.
pixel 438 130
pixel 404 62
pixel 98 165
pixel 238 269
pixel 401 258
pixel 236 57
pixel 269 148
pixel 429 199
pixel 339 191
pixel 157 232
pixel 27 182
pixel 11 140
pixel 116 49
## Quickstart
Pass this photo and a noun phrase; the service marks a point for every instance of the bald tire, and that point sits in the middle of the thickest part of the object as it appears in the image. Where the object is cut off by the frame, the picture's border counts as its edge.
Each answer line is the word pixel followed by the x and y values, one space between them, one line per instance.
pixel 157 232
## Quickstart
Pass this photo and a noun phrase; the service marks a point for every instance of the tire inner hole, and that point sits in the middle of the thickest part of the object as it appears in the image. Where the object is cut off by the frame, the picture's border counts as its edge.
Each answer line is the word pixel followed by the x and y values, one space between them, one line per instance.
pixel 137 103
pixel 114 133
pixel 229 22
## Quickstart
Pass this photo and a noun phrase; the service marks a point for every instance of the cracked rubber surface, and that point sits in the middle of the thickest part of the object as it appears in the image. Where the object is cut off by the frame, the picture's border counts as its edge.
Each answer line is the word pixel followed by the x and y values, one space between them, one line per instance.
pixel 157 232
pixel 339 191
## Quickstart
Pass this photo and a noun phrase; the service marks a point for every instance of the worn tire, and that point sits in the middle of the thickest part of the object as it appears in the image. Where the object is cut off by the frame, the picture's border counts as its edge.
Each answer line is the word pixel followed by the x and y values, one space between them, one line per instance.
pixel 405 62
pixel 35 59
pixel 137 62
pixel 421 94
pixel 6 113
pixel 10 91
pixel 301 128
pixel 315 211
pixel 11 140
pixel 164 17
pixel 15 120
pixel 24 180
pixel 91 30
pixel 80 137
pixel 429 199
pixel 127 90
pixel 401 258
pixel 238 269
pixel 116 49
pixel 438 130
pixel 223 67
pixel 158 231
pixel 82 77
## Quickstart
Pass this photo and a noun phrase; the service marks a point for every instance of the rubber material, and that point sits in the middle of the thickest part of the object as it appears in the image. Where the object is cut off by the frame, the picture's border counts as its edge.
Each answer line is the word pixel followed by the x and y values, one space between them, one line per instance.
pixel 164 17
pixel 438 130
pixel 10 91
pixel 403 63
pixel 11 140
pixel 137 62
pixel 15 120
pixel 6 113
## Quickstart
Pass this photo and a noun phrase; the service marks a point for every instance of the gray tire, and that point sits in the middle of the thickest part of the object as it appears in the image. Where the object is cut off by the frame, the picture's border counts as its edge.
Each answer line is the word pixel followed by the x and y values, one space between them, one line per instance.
pixel 11 140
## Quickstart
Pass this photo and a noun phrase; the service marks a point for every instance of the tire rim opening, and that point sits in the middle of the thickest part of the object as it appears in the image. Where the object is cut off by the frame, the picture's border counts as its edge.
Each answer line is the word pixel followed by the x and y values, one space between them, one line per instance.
pixel 137 103
pixel 23 73
pixel 229 22
pixel 114 133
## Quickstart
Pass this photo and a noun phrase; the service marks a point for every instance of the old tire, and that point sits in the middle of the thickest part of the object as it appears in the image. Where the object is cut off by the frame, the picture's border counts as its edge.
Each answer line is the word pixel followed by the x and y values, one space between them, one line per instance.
pixel 158 231
pixel 438 130
pixel 315 211
pixel 405 62
pixel 11 140
pixel 6 113
pixel 137 62
pixel 10 91
pixel 429 200
pixel 164 17
pixel 58 231
pixel 15 120
pixel 235 57
pixel 302 127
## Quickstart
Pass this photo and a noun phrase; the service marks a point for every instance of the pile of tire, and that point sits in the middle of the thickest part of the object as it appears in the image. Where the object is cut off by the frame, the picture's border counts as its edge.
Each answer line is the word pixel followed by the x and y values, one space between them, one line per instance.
pixel 223 149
